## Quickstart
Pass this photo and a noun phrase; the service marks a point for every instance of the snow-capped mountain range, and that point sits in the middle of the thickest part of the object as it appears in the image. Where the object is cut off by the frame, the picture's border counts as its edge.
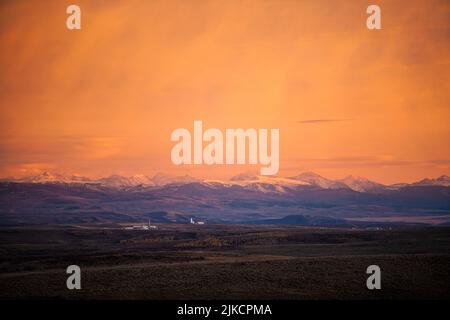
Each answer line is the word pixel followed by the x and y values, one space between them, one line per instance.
pixel 245 198
pixel 248 180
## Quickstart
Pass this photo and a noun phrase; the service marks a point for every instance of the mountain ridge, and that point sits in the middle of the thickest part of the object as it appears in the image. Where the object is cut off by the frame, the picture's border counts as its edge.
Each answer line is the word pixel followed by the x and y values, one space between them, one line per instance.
pixel 246 179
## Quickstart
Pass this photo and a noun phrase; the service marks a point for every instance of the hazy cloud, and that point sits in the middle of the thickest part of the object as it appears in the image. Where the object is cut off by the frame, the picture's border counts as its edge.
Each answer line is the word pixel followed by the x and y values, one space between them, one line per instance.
pixel 317 121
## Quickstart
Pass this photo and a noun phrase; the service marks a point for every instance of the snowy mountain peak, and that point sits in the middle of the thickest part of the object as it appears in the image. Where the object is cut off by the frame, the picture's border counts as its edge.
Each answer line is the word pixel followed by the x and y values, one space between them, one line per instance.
pixel 265 184
pixel 351 178
pixel 442 181
pixel 317 180
pixel 309 174
pixel 245 176
pixel 46 177
pixel 361 184
pixel 161 179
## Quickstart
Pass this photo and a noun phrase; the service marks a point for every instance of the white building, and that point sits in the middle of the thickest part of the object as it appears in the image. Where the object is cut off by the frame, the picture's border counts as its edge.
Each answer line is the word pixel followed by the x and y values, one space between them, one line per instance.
pixel 198 222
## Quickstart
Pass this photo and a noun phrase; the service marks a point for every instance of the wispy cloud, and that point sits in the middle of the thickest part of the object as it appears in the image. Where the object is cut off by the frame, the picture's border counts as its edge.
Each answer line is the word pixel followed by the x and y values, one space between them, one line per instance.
pixel 367 161
pixel 318 121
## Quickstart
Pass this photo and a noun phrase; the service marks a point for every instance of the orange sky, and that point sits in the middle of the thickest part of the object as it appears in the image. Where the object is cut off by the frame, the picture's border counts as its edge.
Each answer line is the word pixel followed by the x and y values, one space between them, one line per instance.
pixel 105 99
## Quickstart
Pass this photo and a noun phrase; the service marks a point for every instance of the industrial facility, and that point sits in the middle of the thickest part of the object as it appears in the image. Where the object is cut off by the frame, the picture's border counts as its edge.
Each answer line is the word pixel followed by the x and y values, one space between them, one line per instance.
pixel 143 226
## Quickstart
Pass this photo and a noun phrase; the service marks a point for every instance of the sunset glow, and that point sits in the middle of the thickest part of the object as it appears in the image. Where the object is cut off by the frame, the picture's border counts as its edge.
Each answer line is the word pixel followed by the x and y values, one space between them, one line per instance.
pixel 105 99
